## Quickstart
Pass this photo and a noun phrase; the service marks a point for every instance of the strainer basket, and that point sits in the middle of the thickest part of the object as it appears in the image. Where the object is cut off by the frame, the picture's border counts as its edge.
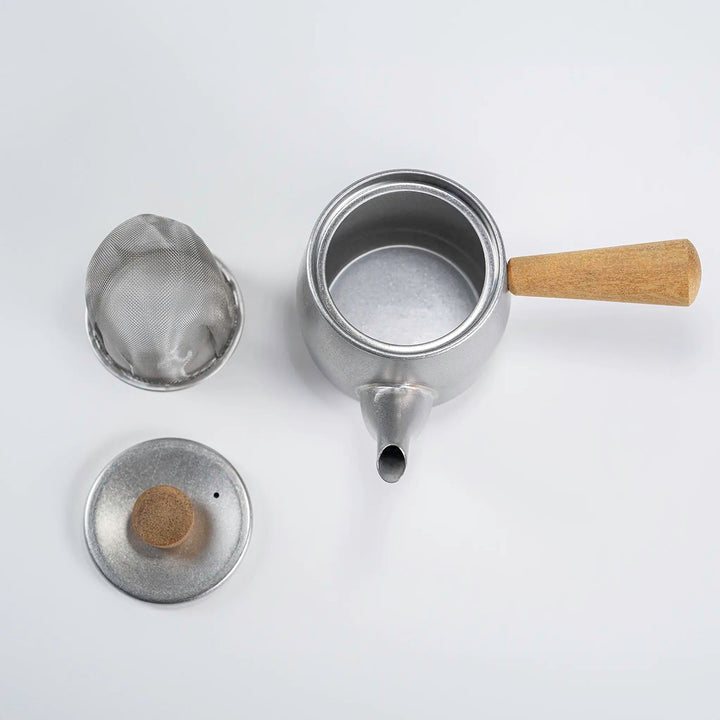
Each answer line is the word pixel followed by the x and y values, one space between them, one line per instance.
pixel 162 312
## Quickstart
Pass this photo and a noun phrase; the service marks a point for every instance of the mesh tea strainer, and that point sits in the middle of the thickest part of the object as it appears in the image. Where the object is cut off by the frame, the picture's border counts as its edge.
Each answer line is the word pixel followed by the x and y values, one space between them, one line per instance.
pixel 162 312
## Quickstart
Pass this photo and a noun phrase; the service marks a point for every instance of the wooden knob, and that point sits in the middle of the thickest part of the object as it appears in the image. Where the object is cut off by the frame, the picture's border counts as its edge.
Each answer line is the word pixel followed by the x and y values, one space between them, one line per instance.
pixel 163 516
pixel 660 273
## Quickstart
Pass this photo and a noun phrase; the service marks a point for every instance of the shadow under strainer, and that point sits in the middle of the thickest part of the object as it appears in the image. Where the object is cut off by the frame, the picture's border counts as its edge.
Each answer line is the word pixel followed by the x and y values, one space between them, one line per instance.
pixel 403 295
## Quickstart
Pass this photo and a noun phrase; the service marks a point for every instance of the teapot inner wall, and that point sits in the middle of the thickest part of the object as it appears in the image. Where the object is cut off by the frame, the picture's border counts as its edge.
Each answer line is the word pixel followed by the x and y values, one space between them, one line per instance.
pixel 405 267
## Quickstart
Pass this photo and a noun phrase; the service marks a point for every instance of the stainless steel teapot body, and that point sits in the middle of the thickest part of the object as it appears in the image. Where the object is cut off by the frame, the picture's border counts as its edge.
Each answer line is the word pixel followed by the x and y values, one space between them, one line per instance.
pixel 402 296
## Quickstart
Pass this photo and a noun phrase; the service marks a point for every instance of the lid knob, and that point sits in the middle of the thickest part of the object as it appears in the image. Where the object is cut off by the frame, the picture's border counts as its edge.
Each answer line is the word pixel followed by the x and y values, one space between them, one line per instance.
pixel 163 516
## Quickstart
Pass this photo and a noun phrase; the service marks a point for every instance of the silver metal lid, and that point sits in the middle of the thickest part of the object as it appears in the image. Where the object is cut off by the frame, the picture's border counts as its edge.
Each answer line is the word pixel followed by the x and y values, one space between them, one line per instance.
pixel 217 540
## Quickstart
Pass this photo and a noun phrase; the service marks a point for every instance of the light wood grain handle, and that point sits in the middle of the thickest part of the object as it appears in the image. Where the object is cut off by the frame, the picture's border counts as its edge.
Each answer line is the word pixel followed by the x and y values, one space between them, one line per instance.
pixel 660 273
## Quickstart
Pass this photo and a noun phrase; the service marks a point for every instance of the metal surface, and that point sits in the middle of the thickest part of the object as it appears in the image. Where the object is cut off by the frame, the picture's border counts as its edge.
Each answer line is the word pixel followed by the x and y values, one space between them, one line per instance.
pixel 162 313
pixel 217 541
pixel 403 294
pixel 394 415
pixel 404 284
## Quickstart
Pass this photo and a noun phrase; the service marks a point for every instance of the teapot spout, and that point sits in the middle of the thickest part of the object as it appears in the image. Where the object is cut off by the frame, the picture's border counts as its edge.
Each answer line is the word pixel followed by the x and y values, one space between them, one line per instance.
pixel 394 414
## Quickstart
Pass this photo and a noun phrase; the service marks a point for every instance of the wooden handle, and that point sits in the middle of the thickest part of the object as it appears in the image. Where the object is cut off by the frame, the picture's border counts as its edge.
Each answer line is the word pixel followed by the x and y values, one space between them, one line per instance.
pixel 659 273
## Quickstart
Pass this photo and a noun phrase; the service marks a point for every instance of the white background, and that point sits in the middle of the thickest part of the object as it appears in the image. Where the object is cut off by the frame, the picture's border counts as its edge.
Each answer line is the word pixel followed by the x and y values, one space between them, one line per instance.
pixel 553 550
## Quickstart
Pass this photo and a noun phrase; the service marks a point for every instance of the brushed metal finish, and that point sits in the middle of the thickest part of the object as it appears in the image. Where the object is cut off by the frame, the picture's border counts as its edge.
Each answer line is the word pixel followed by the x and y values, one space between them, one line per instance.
pixel 394 415
pixel 216 543
pixel 349 357
pixel 390 213
pixel 403 295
